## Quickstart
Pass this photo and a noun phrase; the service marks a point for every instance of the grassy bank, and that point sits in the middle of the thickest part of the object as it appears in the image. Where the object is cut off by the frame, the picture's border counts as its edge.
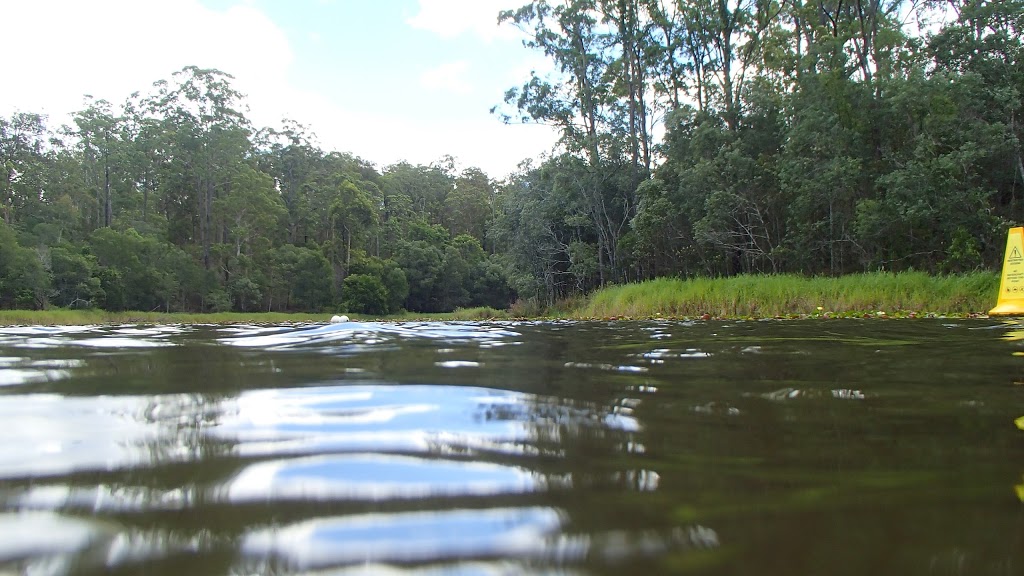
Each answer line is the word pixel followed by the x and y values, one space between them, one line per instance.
pixel 906 293
pixel 903 294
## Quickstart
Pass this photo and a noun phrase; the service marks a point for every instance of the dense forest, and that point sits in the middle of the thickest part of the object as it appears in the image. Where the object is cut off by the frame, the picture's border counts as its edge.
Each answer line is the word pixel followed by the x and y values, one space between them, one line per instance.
pixel 698 138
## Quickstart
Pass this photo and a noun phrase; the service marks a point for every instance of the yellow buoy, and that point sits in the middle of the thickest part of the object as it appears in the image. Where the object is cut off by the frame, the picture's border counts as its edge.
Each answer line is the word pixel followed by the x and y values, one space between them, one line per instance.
pixel 1011 285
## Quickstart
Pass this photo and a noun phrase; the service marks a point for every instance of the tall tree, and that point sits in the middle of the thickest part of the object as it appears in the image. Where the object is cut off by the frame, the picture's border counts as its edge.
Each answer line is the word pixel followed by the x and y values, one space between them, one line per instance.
pixel 207 135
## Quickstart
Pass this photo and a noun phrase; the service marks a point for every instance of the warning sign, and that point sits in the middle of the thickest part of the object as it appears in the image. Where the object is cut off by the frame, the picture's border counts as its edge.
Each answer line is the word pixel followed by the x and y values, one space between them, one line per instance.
pixel 1011 284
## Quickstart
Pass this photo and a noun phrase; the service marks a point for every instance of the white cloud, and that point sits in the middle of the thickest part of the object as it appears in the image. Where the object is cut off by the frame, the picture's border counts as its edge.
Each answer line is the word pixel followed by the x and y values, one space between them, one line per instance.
pixel 448 77
pixel 485 142
pixel 111 48
pixel 450 18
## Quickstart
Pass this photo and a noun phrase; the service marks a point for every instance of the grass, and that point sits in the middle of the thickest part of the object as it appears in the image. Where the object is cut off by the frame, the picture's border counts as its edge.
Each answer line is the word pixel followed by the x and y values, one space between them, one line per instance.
pixel 899 294
pixel 904 293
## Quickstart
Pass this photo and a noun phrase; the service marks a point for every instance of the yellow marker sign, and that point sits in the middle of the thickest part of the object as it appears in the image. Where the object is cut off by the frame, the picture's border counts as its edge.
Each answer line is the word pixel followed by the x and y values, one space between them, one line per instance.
pixel 1011 286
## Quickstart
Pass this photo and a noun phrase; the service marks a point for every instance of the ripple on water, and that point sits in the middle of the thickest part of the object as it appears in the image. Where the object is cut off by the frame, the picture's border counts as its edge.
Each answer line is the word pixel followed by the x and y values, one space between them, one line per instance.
pixel 400 418
pixel 66 539
pixel 355 333
pixel 407 537
pixel 120 337
pixel 375 477
pixel 19 376
pixel 56 434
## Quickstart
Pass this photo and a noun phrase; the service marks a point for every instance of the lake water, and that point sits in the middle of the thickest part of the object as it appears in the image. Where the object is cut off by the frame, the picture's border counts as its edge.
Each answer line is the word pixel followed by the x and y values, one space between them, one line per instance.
pixel 771 448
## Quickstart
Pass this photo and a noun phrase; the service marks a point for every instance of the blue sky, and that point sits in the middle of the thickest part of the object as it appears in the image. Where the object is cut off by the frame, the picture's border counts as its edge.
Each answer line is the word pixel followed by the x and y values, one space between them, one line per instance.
pixel 387 80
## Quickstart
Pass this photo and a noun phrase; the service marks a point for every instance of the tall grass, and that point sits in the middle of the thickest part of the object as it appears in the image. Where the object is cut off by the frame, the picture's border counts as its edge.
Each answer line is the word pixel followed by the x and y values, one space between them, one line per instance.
pixel 784 295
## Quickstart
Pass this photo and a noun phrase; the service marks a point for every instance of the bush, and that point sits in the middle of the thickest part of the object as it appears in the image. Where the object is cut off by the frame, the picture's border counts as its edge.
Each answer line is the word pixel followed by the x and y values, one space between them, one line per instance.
pixel 364 294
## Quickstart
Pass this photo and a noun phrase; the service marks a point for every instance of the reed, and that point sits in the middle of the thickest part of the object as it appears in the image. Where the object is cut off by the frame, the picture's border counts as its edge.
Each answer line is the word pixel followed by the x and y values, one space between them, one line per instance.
pixel 903 293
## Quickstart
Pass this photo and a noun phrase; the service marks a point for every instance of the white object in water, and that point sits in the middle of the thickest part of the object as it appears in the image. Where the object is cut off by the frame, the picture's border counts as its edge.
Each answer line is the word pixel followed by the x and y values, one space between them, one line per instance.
pixel 338 319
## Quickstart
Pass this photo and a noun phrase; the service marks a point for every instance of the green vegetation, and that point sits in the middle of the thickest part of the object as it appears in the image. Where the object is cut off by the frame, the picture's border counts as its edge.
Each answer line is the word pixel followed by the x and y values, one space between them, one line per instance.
pixel 807 139
pixel 902 294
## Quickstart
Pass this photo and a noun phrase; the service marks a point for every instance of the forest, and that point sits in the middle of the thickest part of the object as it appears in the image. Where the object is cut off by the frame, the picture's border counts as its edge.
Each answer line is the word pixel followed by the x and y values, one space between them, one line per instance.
pixel 698 138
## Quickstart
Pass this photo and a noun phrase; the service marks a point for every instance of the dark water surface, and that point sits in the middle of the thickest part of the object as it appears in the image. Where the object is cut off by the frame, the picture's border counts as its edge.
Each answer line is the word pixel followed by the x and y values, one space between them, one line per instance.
pixel 769 448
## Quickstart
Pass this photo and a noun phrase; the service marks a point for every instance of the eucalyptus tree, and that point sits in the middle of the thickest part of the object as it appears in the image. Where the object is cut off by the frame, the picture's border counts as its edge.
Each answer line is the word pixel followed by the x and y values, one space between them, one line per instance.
pixel 468 206
pixel 70 207
pixel 352 217
pixel 146 160
pixel 206 136
pixel 23 159
pixel 596 48
pixel 102 148
pixel 578 101
pixel 250 211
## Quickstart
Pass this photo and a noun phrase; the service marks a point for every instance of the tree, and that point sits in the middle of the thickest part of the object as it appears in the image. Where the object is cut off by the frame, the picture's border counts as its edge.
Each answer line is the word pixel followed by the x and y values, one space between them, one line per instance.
pixel 250 210
pixel 23 160
pixel 299 279
pixel 74 280
pixel 206 136
pixel 23 281
pixel 468 205
pixel 98 136
pixel 145 273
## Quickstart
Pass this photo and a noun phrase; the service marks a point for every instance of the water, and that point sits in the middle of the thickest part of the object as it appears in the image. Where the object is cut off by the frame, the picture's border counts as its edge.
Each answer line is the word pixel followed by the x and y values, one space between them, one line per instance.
pixel 776 447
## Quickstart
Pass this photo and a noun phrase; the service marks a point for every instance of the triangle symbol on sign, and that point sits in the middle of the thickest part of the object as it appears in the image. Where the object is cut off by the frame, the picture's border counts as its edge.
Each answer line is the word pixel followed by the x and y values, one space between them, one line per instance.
pixel 1015 253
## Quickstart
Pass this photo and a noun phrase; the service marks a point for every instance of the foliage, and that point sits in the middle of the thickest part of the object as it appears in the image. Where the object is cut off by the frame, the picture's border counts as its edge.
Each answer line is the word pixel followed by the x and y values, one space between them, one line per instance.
pixel 698 138
pixel 23 281
pixel 809 138
pixel 364 294
pixel 174 201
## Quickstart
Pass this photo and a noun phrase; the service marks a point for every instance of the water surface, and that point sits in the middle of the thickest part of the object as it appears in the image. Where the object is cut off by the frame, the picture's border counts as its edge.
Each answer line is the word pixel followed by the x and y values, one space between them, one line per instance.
pixel 771 447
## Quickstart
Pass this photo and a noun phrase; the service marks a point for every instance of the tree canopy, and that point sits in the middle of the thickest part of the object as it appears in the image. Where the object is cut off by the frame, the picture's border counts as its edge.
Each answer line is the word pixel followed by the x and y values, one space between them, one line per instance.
pixel 174 201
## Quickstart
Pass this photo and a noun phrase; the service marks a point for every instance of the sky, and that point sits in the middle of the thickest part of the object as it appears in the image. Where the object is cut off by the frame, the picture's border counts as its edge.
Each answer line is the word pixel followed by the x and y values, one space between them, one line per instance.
pixel 386 80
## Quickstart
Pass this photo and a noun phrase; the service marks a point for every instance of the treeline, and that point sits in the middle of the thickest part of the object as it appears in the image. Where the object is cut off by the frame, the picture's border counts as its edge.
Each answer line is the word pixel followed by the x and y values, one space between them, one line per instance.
pixel 173 201
pixel 698 138
pixel 819 137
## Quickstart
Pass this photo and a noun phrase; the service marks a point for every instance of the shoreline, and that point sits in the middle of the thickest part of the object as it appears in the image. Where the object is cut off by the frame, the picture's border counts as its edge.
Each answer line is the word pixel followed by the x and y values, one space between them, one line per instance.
pixel 880 295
